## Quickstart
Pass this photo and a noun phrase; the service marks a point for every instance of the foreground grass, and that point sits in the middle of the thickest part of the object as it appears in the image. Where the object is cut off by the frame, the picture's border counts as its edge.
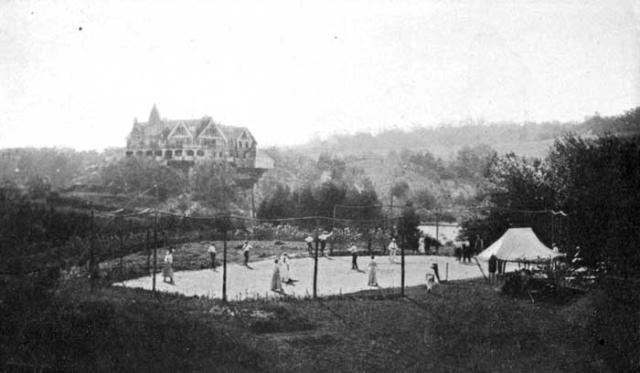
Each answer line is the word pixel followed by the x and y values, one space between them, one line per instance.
pixel 462 326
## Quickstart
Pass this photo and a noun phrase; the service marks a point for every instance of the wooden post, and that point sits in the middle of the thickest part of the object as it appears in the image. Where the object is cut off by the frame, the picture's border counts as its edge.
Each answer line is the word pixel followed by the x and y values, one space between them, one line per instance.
pixel 224 263
pixel 147 248
pixel 315 265
pixel 253 211
pixel 437 232
pixel 402 270
pixel 446 276
pixel 92 257
pixel 155 252
pixel 121 238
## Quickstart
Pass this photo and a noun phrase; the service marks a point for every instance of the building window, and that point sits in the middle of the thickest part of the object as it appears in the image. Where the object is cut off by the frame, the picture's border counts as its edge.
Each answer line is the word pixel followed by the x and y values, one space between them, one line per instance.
pixel 129 153
pixel 158 153
pixel 190 153
pixel 200 153
pixel 178 153
pixel 168 154
pixel 149 153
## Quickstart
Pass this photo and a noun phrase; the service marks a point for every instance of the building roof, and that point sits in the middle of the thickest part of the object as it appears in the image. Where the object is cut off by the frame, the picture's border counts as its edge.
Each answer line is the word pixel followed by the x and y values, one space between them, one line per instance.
pixel 157 127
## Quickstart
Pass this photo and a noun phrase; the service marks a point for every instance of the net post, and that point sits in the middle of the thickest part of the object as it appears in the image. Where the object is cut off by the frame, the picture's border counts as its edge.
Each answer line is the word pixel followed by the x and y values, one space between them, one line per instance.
pixel 92 257
pixel 315 264
pixel 155 252
pixel 224 261
pixel 402 268
pixel 121 248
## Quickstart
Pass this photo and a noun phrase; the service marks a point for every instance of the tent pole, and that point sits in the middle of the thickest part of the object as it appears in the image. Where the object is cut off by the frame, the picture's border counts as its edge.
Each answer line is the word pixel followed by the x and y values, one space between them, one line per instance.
pixel 481 270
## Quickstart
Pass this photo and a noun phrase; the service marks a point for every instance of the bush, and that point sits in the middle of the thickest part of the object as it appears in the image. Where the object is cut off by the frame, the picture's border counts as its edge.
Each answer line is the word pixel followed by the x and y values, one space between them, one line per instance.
pixel 615 327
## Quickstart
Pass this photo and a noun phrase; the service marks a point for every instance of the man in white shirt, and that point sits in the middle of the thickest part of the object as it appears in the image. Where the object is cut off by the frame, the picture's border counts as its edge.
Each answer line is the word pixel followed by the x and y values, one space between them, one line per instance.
pixel 212 252
pixel 323 240
pixel 246 248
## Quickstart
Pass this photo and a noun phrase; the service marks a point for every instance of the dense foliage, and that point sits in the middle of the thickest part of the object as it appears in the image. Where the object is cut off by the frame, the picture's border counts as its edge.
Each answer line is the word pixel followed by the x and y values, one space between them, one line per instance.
pixel 586 193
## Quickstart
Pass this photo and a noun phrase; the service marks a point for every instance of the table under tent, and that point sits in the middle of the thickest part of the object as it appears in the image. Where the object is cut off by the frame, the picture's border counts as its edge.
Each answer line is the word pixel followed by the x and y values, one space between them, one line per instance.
pixel 519 245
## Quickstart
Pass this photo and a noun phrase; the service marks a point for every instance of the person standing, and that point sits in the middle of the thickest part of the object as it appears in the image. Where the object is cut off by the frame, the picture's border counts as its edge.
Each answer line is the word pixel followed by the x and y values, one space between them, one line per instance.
pixel 167 271
pixel 323 240
pixel 479 245
pixel 373 278
pixel 276 283
pixel 246 248
pixel 212 252
pixel 466 255
pixel 354 257
pixel 421 240
pixel 431 281
pixel 309 241
pixel 393 248
pixel 493 266
pixel 284 268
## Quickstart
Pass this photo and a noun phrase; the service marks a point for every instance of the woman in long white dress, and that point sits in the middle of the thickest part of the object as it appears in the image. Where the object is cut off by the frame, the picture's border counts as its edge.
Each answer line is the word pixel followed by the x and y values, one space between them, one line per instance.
pixel 276 283
pixel 373 279
pixel 421 244
pixel 167 271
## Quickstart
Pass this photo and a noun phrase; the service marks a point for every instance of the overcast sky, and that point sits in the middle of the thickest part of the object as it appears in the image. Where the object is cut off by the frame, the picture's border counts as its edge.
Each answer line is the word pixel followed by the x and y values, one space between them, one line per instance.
pixel 77 73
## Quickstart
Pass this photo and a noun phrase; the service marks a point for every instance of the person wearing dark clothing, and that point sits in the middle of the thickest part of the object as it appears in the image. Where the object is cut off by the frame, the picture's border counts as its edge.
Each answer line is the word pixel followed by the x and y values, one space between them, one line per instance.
pixel 479 245
pixel 458 253
pixel 354 257
pixel 493 266
pixel 246 248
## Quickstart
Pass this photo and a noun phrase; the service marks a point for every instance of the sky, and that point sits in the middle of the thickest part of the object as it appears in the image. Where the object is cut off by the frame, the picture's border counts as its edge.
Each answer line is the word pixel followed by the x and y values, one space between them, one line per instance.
pixel 76 74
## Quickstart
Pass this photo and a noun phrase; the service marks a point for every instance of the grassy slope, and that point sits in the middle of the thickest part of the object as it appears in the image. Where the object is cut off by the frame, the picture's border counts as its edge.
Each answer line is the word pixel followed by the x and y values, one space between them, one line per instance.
pixel 462 326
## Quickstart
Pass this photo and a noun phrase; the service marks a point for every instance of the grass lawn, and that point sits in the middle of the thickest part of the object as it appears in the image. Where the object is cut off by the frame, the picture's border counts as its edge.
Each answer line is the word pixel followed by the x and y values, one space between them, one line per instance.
pixel 462 326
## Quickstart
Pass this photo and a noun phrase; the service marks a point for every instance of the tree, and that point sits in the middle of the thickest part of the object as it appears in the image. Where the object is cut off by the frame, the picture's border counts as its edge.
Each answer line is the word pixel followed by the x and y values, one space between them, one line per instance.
pixel 400 189
pixel 425 199
pixel 215 184
pixel 408 227
pixel 278 205
pixel 598 186
pixel 143 176
pixel 517 194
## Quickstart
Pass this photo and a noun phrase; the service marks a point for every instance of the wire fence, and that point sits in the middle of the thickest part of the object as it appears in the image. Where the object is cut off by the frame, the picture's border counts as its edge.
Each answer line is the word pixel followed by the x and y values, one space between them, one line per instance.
pixel 139 237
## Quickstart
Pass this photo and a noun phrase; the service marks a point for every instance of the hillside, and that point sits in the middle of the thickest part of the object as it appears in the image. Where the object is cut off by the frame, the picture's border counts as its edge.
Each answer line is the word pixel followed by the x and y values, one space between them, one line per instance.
pixel 528 139
pixel 442 167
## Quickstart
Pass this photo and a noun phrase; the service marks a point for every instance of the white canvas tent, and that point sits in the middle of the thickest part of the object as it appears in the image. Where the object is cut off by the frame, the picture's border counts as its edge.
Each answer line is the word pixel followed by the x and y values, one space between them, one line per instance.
pixel 519 245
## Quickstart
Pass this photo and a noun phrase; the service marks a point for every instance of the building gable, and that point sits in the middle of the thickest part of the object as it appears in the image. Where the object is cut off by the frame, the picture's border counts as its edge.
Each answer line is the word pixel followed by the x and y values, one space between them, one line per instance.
pixel 180 131
pixel 211 131
pixel 246 136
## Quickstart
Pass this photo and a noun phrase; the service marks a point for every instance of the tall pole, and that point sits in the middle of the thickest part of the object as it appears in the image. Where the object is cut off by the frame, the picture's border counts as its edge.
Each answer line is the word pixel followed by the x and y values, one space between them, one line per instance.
pixel 147 249
pixel 155 251
pixel 315 265
pixel 253 209
pixel 402 266
pixel 92 256
pixel 437 221
pixel 224 263
pixel 224 235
